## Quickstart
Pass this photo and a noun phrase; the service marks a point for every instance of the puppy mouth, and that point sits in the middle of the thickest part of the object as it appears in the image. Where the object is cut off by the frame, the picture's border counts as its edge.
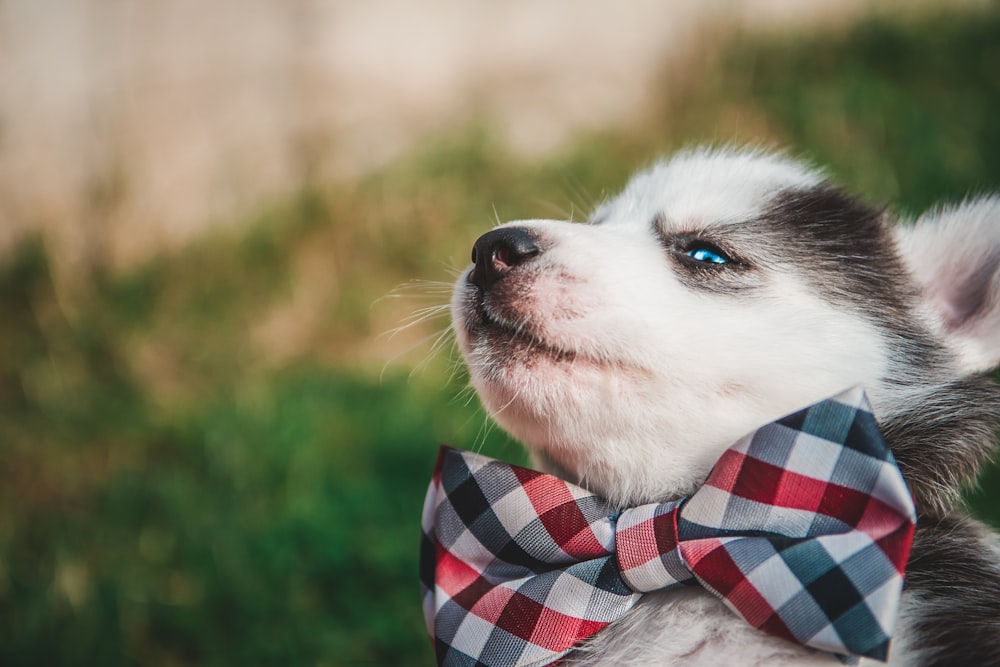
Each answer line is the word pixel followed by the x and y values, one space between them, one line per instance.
pixel 517 339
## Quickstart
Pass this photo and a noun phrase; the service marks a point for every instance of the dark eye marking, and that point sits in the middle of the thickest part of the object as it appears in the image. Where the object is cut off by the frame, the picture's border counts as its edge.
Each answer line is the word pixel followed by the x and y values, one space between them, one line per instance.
pixel 708 258
pixel 693 250
pixel 697 254
pixel 707 253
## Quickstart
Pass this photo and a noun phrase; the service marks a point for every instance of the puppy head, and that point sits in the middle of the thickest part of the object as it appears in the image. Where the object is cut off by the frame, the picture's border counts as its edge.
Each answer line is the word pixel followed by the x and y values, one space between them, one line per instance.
pixel 718 291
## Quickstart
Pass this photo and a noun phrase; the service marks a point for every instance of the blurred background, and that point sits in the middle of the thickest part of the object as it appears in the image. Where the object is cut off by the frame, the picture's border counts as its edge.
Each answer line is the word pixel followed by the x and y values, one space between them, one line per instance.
pixel 225 229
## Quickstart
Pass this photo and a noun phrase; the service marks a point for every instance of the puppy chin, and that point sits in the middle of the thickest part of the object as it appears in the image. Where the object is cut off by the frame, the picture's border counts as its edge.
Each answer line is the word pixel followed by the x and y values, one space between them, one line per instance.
pixel 582 423
pixel 542 398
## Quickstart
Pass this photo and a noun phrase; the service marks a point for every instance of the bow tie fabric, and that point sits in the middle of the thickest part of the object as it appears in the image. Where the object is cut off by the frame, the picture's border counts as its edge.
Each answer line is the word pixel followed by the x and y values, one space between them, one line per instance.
pixel 803 528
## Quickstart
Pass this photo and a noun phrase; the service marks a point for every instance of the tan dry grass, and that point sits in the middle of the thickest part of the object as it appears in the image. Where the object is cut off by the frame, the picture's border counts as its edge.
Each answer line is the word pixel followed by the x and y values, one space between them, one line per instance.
pixel 129 127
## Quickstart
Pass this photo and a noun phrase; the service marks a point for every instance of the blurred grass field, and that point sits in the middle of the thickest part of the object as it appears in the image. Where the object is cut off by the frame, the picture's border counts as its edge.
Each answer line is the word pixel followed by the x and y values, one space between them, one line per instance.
pixel 219 458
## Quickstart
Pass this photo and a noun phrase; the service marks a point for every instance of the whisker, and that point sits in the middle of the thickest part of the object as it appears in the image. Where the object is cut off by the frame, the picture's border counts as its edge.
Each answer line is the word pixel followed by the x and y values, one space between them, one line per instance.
pixel 442 339
pixel 439 293
pixel 579 194
pixel 415 289
pixel 414 319
pixel 559 211
pixel 394 358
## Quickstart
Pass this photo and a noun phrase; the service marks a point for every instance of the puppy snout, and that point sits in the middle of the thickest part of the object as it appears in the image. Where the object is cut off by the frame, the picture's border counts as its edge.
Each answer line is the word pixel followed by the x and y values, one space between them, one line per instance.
pixel 498 251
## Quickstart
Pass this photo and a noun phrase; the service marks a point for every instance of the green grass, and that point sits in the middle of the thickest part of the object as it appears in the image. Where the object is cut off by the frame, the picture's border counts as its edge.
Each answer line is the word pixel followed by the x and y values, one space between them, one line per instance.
pixel 276 525
pixel 200 463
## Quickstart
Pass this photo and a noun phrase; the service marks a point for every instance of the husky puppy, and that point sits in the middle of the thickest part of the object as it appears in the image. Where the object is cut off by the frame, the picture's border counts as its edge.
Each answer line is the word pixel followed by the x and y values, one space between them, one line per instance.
pixel 723 289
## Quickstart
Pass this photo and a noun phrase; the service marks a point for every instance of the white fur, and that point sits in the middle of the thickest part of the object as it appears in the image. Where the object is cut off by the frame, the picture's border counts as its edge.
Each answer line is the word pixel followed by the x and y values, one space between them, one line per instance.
pixel 632 383
pixel 627 417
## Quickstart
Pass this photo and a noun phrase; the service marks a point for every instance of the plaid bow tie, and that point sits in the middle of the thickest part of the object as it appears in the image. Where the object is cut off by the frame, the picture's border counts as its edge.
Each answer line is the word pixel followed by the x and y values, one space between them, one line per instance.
pixel 802 528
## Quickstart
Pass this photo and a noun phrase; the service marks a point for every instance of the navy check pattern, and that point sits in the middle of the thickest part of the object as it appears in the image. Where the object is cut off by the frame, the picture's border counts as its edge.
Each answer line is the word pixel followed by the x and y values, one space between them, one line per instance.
pixel 803 529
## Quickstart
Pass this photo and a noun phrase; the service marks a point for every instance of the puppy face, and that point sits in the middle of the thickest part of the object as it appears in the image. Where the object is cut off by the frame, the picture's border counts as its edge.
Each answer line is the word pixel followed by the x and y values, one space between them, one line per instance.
pixel 719 291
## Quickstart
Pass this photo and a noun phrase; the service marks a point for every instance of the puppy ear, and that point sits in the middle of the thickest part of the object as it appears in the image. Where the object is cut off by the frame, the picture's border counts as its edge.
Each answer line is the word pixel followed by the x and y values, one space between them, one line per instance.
pixel 954 256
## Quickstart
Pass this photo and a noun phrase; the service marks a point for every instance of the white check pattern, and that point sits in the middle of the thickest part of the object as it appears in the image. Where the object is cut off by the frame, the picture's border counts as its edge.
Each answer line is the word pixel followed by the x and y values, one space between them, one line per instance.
pixel 803 529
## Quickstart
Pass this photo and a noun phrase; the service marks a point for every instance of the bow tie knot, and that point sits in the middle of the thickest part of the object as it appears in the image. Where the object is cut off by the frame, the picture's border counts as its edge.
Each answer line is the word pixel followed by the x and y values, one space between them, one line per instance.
pixel 648 549
pixel 802 528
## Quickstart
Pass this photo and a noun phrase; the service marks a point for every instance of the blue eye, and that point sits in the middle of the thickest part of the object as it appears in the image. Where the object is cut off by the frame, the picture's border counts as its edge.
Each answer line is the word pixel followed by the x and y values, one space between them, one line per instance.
pixel 707 256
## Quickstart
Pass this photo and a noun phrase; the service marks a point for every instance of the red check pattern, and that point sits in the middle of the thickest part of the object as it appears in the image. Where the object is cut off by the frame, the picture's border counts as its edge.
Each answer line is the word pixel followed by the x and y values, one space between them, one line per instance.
pixel 803 529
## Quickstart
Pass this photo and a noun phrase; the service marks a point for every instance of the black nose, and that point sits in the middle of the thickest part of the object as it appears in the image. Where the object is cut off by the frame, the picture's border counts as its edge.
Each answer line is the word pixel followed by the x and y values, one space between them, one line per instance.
pixel 498 251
